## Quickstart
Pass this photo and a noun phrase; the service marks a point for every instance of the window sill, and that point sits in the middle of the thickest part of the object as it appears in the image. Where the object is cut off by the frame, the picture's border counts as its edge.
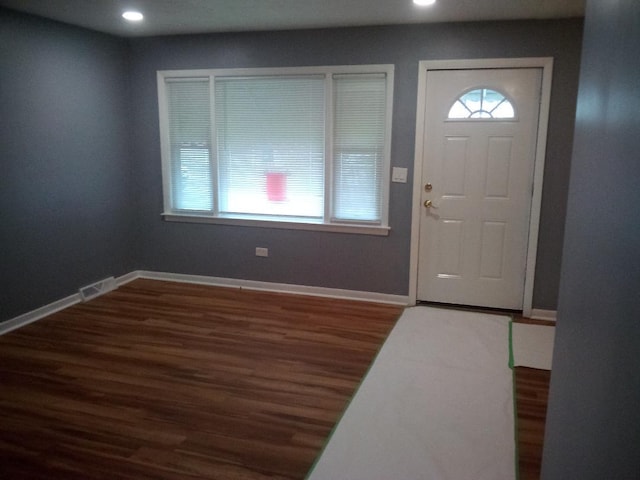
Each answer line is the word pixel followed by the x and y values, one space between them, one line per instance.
pixel 289 225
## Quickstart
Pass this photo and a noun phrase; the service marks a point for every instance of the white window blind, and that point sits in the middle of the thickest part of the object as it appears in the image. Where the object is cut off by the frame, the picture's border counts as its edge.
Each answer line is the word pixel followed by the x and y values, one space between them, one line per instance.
pixel 270 134
pixel 358 146
pixel 189 116
pixel 304 145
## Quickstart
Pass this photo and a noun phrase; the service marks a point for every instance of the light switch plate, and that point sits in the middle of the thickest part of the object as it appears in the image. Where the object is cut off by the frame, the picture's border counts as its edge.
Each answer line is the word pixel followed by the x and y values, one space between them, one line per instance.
pixel 399 175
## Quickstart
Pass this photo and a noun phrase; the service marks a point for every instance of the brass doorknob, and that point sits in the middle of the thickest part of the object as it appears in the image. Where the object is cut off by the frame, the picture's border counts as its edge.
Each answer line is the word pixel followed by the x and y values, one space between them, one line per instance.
pixel 428 203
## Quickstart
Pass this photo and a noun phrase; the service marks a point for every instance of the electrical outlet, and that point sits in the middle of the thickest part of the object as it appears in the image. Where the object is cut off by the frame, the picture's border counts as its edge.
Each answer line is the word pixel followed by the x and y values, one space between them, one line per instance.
pixel 262 252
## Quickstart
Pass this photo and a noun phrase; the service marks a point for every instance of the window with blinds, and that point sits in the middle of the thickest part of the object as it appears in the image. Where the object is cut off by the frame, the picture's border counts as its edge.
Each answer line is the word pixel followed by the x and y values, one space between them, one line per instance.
pixel 190 144
pixel 308 145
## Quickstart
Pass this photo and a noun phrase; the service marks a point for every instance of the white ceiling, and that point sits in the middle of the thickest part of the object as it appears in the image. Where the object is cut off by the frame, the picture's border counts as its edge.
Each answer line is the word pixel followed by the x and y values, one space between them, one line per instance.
pixel 163 17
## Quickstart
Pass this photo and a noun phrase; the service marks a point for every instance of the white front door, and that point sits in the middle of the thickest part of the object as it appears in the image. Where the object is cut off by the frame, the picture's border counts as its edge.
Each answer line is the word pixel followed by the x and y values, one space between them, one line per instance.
pixel 480 133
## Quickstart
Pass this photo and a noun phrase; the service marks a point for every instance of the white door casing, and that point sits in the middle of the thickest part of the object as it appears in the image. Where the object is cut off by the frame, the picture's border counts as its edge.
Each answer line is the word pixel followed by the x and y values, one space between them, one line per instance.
pixel 476 244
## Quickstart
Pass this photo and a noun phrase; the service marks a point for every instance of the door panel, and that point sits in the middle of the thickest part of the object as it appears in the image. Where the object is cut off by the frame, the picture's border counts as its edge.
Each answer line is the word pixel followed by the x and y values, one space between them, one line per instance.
pixel 450 244
pixel 498 162
pixel 473 234
pixel 455 166
pixel 492 249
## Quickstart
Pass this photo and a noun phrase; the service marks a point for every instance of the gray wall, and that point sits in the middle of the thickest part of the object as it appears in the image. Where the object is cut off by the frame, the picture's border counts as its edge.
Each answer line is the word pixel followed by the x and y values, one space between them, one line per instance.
pixel 593 423
pixel 341 260
pixel 64 163
pixel 81 191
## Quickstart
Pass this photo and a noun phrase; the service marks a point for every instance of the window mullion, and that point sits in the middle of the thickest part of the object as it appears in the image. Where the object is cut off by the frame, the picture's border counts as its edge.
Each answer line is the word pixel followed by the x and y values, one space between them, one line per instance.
pixel 214 147
pixel 328 151
pixel 386 171
pixel 163 108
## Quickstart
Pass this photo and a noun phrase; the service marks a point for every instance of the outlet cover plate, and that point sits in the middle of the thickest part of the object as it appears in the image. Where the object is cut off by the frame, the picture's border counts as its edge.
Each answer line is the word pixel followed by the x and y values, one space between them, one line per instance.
pixel 399 175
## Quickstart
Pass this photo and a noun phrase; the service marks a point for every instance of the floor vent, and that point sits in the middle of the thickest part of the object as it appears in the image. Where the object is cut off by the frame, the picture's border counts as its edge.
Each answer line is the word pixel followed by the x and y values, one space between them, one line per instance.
pixel 96 289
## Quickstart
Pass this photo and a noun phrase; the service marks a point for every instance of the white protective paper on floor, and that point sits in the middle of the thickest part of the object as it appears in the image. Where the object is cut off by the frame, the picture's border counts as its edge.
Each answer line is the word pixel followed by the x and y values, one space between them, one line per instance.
pixel 532 345
pixel 437 404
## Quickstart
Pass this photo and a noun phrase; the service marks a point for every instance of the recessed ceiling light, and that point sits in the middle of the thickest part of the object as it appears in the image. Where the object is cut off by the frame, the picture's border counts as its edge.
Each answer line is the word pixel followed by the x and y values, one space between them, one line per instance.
pixel 132 16
pixel 424 3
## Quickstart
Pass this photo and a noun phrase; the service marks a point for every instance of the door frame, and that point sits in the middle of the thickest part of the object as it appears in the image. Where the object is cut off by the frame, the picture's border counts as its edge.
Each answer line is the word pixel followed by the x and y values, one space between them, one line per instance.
pixel 544 63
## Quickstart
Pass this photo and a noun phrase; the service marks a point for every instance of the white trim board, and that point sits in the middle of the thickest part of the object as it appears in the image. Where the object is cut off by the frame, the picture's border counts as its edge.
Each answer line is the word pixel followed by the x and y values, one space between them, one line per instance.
pixel 46 310
pixel 53 307
pixel 532 345
pixel 38 313
pixel 546 64
pixel 539 314
pixel 278 287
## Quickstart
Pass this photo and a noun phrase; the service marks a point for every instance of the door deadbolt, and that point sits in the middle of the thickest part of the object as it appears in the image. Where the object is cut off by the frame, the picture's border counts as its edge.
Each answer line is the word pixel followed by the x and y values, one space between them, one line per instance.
pixel 428 187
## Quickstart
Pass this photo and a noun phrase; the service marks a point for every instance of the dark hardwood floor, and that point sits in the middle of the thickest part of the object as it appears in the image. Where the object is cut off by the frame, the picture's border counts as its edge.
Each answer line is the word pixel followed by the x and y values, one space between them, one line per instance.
pixel 161 380
pixel 532 392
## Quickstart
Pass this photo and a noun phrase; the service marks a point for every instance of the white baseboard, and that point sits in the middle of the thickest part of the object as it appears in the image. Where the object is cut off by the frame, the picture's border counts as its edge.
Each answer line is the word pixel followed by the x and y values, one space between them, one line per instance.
pixel 278 287
pixel 539 314
pixel 127 277
pixel 39 313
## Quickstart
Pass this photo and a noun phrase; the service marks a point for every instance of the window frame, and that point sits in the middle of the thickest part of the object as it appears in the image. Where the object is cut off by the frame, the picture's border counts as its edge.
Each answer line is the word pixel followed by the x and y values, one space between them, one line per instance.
pixel 506 97
pixel 298 223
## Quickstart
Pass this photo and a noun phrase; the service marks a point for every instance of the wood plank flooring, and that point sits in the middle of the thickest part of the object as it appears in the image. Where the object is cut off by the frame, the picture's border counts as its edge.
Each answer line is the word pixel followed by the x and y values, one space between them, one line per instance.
pixel 161 380
pixel 532 392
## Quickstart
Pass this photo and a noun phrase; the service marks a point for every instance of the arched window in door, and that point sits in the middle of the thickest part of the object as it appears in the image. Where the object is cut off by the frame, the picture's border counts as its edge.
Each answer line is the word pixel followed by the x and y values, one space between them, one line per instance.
pixel 482 103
